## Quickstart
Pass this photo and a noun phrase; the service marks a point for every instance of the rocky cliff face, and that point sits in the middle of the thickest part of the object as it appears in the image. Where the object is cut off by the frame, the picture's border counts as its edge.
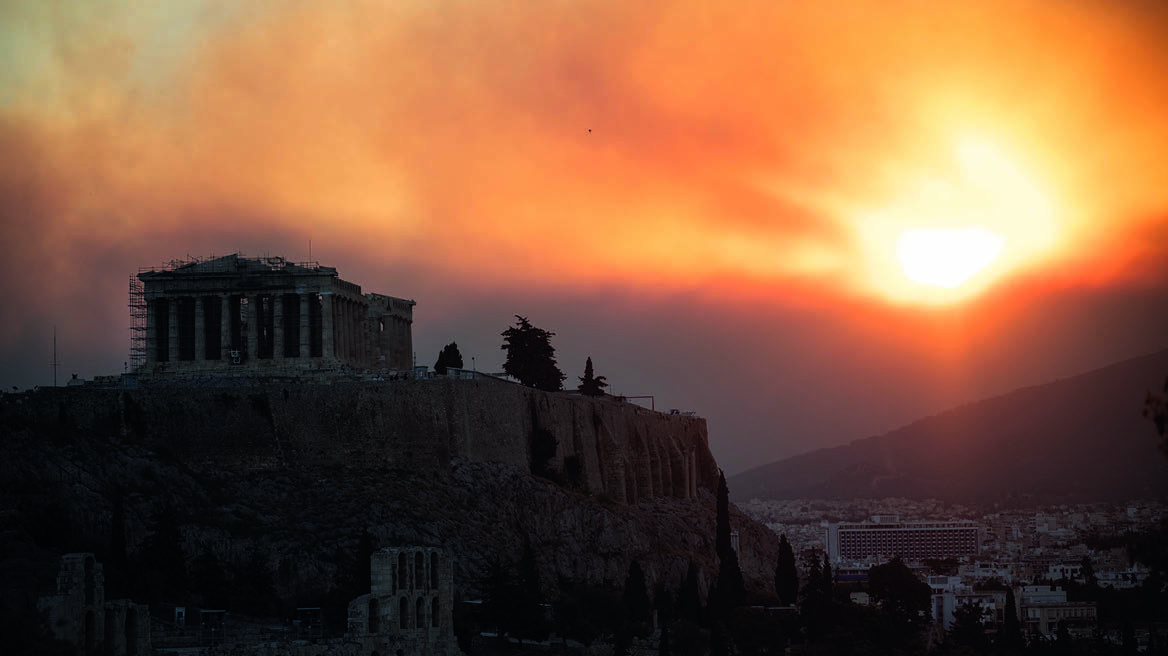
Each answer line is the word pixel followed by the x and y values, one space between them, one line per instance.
pixel 285 484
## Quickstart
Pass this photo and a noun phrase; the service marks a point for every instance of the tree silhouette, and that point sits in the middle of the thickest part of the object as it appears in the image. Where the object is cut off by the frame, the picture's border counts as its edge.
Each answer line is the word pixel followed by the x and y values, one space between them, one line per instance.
pixel 828 578
pixel 904 596
pixel 636 597
pixel 731 587
pixel 1010 637
pixel 689 599
pixel 969 626
pixel 786 575
pixel 591 385
pixel 531 358
pixel 1156 409
pixel 448 357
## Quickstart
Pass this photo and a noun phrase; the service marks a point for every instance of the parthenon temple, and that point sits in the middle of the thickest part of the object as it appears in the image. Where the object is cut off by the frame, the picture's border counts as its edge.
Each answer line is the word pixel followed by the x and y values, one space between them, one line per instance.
pixel 234 313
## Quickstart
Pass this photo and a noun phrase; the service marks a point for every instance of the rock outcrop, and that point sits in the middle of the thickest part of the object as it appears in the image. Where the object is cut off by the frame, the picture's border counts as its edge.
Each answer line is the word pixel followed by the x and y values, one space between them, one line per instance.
pixel 290 481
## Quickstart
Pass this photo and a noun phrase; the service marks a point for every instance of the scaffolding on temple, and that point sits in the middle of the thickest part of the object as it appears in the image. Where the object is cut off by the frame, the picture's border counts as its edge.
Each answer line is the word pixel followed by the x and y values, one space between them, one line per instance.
pixel 137 323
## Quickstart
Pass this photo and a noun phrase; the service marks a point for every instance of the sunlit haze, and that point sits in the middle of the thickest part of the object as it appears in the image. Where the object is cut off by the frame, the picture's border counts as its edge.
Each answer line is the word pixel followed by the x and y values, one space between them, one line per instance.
pixel 807 222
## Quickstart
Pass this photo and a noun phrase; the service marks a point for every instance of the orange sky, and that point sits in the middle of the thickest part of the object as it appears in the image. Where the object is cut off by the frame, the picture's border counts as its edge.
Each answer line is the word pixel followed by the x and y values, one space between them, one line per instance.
pixel 755 161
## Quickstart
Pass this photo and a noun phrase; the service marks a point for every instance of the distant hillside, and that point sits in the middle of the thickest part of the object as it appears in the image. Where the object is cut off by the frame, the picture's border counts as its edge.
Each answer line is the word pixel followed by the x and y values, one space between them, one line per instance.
pixel 1080 438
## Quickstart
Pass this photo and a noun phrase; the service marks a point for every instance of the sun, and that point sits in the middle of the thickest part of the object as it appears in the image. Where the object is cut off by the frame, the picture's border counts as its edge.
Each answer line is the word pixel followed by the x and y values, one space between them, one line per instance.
pixel 947 257
pixel 950 231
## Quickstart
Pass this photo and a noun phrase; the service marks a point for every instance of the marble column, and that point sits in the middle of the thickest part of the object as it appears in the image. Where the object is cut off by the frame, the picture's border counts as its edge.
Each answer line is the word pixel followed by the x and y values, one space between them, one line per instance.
pixel 151 330
pixel 253 327
pixel 278 335
pixel 225 327
pixel 172 323
pixel 200 330
pixel 327 321
pixel 339 327
pixel 305 337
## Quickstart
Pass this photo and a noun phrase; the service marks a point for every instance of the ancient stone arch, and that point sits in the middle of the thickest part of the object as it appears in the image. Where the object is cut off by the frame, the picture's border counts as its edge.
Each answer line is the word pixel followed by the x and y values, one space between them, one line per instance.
pixel 433 572
pixel 131 630
pixel 419 571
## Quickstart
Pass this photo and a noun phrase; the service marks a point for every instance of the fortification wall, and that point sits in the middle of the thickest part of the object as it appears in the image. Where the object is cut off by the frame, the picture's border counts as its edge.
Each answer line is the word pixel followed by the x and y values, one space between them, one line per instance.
pixel 620 450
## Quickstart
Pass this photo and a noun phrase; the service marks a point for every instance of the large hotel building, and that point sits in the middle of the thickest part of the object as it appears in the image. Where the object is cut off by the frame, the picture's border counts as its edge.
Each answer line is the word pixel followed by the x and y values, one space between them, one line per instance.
pixel 886 536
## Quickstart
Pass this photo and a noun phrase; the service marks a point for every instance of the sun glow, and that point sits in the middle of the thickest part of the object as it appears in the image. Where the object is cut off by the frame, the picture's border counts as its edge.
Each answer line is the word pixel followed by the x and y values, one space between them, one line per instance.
pixel 951 232
pixel 946 257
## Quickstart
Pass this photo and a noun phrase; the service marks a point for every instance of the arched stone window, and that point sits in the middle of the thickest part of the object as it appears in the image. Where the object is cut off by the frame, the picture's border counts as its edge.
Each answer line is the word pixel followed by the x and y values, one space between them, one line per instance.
pixel 403 613
pixel 434 612
pixel 111 629
pixel 131 632
pixel 90 633
pixel 401 571
pixel 433 571
pixel 421 608
pixel 419 571
pixel 90 583
pixel 374 616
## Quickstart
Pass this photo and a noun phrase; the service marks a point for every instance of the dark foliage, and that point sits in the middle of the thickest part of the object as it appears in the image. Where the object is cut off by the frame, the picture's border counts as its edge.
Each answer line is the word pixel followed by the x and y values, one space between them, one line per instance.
pixel 827 582
pixel 591 385
pixel 159 569
pixel 1009 637
pixel 901 594
pixel 730 588
pixel 531 358
pixel 26 630
pixel 636 597
pixel 543 449
pixel 689 599
pixel 969 628
pixel 448 357
pixel 786 575
pixel 755 632
pixel 514 600
pixel 209 581
pixel 586 613
pixel 722 546
pixel 1156 410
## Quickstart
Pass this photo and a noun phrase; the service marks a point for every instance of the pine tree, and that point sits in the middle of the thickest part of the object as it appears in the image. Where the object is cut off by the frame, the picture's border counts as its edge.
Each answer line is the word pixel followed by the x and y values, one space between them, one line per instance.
pixel 786 575
pixel 531 358
pixel 448 357
pixel 591 385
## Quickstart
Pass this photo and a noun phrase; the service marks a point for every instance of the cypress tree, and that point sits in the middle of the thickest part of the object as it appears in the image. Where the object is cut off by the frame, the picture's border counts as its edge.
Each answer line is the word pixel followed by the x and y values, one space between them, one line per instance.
pixel 1010 638
pixel 591 385
pixel 731 587
pixel 636 598
pixel 786 575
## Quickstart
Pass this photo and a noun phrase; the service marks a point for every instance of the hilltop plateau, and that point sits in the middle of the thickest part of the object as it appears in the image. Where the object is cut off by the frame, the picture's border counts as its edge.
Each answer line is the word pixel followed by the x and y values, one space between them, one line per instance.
pixel 267 495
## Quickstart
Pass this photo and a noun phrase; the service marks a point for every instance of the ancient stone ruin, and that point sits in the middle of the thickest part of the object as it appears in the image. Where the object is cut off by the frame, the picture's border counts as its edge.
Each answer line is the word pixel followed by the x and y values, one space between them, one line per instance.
pixel 80 615
pixel 234 314
pixel 409 607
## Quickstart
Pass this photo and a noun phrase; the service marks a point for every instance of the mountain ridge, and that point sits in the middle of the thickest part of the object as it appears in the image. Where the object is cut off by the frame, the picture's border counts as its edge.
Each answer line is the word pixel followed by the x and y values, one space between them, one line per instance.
pixel 1078 437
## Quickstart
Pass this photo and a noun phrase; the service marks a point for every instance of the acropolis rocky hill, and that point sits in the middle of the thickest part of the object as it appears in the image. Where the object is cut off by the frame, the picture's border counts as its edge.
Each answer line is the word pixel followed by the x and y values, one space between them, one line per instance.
pixel 294 479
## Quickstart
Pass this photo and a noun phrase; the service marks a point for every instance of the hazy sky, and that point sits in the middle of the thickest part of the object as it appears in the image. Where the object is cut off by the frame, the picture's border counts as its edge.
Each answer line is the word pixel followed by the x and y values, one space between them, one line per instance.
pixel 712 202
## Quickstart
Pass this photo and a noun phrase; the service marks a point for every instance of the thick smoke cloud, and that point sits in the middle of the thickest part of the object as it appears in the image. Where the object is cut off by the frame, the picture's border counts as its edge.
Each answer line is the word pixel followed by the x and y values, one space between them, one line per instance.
pixel 669 174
